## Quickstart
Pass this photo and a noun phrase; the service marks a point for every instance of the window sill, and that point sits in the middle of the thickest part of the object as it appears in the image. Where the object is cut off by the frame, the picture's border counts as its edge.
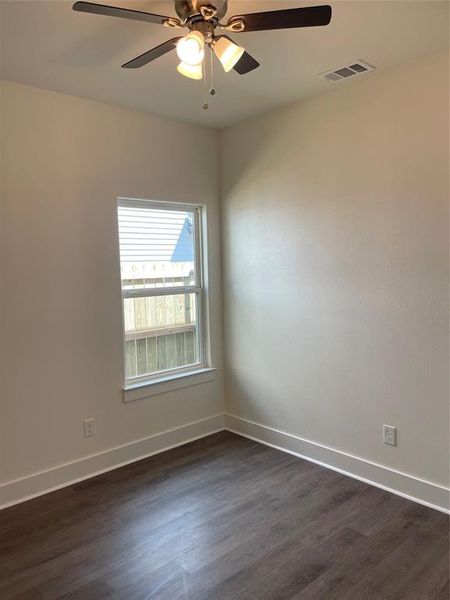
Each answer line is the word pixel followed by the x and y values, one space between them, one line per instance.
pixel 168 383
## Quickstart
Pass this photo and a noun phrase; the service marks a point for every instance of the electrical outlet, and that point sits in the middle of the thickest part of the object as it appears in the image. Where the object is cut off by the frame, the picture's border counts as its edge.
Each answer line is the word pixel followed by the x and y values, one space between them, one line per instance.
pixel 389 435
pixel 89 427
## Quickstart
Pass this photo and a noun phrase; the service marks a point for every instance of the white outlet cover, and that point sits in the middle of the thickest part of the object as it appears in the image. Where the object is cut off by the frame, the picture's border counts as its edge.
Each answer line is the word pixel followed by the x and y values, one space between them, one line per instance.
pixel 390 435
pixel 89 427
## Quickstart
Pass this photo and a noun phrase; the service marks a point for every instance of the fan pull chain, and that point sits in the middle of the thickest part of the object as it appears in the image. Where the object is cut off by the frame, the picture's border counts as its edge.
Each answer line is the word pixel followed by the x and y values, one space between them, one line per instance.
pixel 208 76
pixel 212 91
pixel 205 93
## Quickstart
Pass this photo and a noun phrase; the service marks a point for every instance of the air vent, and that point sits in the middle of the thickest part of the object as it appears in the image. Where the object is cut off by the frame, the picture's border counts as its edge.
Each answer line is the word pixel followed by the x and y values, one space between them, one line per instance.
pixel 347 71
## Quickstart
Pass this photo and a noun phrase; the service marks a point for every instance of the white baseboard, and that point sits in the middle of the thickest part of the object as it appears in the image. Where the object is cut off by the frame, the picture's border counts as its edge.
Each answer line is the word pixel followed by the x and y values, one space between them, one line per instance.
pixel 37 484
pixel 408 486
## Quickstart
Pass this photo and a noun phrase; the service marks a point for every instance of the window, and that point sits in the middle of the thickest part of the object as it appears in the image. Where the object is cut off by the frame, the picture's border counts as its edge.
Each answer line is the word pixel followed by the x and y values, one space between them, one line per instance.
pixel 162 288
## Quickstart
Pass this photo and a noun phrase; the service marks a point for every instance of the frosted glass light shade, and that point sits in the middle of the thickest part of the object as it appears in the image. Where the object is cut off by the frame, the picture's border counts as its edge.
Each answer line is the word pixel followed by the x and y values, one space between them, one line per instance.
pixel 191 48
pixel 227 52
pixel 191 71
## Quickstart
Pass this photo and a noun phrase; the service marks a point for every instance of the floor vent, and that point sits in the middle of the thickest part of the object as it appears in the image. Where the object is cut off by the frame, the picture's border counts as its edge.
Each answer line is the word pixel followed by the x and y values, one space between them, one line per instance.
pixel 357 68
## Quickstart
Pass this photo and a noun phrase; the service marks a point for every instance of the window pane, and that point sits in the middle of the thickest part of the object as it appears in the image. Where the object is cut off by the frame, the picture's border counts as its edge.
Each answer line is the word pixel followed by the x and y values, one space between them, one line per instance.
pixel 161 333
pixel 156 248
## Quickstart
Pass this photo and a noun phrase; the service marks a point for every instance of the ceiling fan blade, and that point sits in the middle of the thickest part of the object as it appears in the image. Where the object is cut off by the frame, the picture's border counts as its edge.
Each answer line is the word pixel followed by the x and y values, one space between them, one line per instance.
pixel 113 11
pixel 246 64
pixel 152 54
pixel 309 16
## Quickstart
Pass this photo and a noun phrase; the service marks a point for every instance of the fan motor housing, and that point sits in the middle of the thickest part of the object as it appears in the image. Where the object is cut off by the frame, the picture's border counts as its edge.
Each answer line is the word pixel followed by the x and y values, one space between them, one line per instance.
pixel 186 9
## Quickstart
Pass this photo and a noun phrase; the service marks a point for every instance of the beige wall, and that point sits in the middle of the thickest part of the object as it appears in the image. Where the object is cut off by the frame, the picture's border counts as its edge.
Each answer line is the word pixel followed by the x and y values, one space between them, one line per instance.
pixel 335 226
pixel 65 160
pixel 335 232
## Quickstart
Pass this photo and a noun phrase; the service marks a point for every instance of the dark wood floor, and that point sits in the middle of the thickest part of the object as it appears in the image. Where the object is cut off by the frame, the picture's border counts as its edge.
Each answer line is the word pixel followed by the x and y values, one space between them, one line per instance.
pixel 219 519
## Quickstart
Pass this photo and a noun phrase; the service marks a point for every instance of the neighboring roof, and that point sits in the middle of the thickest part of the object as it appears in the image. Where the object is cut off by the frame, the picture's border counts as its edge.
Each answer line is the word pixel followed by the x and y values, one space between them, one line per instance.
pixel 185 244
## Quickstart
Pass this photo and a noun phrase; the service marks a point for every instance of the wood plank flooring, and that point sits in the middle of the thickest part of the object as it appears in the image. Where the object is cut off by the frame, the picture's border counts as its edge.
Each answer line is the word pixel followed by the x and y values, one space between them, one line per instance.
pixel 223 518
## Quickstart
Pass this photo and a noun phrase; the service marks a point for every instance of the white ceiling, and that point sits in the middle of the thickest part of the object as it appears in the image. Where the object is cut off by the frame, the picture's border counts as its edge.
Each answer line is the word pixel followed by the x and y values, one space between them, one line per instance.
pixel 46 44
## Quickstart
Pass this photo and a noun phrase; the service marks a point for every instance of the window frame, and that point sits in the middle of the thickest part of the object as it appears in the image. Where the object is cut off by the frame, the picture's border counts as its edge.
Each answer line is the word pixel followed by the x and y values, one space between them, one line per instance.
pixel 198 289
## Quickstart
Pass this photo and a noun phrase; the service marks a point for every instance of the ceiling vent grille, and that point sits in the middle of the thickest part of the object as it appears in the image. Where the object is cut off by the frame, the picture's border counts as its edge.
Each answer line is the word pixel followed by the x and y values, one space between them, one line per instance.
pixel 347 71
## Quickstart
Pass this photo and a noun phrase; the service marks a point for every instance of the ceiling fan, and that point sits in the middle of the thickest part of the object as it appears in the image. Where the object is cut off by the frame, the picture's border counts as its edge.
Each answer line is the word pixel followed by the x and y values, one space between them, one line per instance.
pixel 202 17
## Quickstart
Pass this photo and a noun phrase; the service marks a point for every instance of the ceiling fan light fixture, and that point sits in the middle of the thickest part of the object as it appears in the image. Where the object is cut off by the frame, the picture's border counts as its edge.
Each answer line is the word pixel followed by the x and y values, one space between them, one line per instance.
pixel 191 48
pixel 202 19
pixel 191 71
pixel 227 52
